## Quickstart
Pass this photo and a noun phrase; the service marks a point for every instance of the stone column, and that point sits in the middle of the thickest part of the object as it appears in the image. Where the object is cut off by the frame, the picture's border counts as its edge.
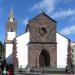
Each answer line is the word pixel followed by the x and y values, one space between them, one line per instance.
pixel 15 59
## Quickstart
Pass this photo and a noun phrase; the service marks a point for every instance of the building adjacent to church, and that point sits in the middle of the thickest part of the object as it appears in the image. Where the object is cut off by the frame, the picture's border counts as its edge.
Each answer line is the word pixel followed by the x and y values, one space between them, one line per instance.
pixel 73 52
pixel 40 46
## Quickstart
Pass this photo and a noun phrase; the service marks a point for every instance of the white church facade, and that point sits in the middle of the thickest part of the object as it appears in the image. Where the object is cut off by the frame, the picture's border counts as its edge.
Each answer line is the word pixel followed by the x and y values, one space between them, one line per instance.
pixel 18 49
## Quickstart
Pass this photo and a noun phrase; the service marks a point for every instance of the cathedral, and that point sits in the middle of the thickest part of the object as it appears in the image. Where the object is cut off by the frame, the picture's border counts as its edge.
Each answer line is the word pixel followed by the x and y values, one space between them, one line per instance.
pixel 40 46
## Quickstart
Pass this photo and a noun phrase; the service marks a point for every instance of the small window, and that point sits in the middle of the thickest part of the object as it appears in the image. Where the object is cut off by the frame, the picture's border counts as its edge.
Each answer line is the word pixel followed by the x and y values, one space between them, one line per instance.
pixel 11 30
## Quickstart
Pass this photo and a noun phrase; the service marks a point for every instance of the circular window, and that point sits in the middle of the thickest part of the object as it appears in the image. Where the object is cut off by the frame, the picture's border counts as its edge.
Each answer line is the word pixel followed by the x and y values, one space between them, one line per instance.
pixel 42 31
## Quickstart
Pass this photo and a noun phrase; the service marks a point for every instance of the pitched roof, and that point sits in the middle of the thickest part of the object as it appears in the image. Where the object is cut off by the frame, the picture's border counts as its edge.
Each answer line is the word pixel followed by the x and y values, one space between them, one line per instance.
pixel 42 13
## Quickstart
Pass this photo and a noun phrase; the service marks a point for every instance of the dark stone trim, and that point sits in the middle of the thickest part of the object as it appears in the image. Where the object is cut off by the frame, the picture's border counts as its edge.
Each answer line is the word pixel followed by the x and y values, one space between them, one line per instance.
pixel 42 43
pixel 9 42
pixel 49 17
pixel 27 27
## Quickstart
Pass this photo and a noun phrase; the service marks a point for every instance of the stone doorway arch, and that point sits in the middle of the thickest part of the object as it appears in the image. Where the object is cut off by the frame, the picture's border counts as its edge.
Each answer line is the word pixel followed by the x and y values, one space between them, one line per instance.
pixel 44 59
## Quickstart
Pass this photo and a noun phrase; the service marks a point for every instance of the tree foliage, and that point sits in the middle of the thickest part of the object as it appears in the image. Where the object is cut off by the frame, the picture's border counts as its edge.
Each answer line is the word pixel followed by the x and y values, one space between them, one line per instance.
pixel 1 49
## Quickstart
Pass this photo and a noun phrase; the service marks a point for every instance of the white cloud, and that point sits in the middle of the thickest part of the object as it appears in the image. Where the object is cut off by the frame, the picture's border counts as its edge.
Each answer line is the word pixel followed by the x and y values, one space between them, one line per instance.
pixel 46 5
pixel 64 13
pixel 25 21
pixel 68 1
pixel 68 30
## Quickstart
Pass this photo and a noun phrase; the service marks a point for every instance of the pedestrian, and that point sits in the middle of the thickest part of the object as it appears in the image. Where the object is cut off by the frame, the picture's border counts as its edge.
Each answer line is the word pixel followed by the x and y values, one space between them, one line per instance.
pixel 10 71
pixel 2 68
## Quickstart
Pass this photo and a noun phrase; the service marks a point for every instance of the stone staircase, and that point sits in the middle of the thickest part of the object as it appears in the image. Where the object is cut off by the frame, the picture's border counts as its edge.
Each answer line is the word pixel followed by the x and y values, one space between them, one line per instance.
pixel 42 71
pixel 39 71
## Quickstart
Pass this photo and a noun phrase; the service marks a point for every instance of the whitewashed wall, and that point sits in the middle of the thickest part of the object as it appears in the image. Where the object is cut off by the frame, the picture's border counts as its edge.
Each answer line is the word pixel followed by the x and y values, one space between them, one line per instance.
pixel 9 55
pixel 62 46
pixel 11 35
pixel 22 49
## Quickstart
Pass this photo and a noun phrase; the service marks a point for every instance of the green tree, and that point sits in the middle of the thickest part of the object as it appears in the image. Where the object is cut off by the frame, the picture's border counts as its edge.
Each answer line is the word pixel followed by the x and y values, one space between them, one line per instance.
pixel 1 49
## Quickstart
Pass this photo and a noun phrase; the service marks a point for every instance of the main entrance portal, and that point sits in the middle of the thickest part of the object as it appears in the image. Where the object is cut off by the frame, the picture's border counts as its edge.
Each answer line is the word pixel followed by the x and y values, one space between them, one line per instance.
pixel 44 59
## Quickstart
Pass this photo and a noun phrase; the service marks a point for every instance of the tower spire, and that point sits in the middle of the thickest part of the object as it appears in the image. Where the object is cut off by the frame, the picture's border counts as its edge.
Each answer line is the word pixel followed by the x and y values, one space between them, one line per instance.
pixel 11 16
pixel 11 13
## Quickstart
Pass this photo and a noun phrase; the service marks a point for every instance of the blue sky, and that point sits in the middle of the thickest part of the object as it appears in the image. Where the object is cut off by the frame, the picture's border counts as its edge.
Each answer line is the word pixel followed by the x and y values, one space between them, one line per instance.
pixel 63 11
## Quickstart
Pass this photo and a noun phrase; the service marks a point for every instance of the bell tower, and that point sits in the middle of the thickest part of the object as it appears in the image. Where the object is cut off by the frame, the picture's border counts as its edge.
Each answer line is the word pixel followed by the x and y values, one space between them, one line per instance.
pixel 11 27
pixel 10 35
